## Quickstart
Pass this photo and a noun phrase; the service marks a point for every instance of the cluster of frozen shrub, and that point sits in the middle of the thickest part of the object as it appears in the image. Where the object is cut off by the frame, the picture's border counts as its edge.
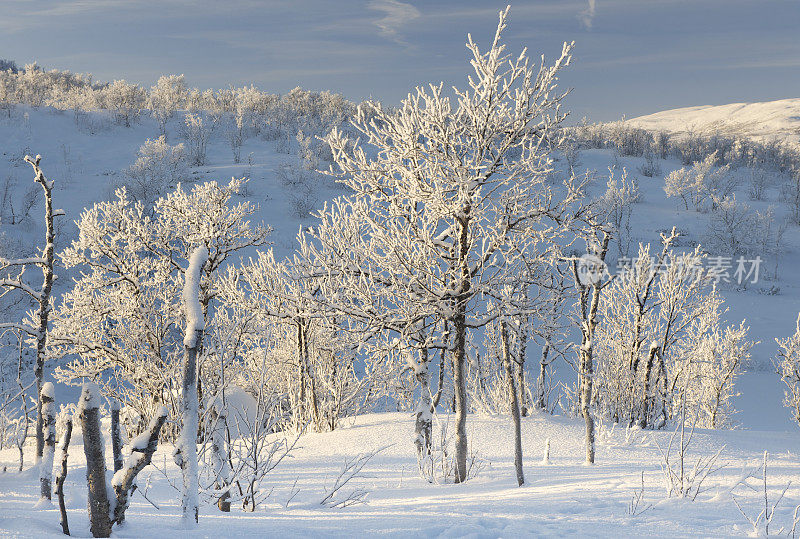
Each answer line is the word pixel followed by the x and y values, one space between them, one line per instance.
pixel 689 148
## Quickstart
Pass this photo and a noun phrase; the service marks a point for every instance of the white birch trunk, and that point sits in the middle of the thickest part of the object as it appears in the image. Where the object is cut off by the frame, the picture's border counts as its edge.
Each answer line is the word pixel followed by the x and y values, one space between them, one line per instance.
pixel 49 435
pixel 513 404
pixel 424 419
pixel 186 449
pixel 89 409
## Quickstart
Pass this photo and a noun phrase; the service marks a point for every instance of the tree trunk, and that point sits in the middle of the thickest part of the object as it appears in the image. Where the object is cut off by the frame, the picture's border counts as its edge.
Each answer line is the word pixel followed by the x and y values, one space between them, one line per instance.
pixel 116 436
pixel 221 441
pixel 310 376
pixel 513 405
pixel 589 318
pixel 39 373
pixel 460 396
pixel 99 518
pixel 188 444
pixel 440 386
pixel 424 418
pixel 522 387
pixel 460 347
pixel 49 436
pixel 300 406
pixel 219 455
pixel 62 475
pixel 643 422
pixel 662 377
pixel 23 407
pixel 308 402
pixel 541 396
pixel 586 399
pixel 43 309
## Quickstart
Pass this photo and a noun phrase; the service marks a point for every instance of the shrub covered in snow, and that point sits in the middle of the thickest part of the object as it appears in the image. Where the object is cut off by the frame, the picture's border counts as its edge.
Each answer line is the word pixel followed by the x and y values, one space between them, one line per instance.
pixel 158 166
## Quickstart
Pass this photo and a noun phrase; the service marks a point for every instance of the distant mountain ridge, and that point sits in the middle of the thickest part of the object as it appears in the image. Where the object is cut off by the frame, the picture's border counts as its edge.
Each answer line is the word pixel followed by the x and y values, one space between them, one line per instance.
pixel 766 121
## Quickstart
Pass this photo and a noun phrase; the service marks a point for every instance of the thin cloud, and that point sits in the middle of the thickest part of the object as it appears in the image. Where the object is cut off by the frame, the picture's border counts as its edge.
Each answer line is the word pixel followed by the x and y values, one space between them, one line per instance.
pixel 587 15
pixel 396 15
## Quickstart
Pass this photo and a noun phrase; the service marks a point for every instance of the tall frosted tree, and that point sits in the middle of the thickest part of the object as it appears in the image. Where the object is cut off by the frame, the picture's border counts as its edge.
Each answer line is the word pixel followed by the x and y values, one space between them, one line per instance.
pixel 449 192
pixel 37 324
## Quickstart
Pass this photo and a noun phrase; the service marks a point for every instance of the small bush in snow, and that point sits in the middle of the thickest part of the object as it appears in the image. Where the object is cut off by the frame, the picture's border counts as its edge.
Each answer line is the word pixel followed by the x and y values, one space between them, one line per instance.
pixel 196 139
pixel 621 193
pixel 788 367
pixel 759 182
pixel 734 229
pixel 702 185
pixel 651 167
pixel 158 167
pixel 166 97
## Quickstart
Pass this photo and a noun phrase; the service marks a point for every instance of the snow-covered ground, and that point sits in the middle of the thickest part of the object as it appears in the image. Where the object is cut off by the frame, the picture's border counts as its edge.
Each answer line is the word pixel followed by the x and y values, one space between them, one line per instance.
pixel 563 498
pixel 771 120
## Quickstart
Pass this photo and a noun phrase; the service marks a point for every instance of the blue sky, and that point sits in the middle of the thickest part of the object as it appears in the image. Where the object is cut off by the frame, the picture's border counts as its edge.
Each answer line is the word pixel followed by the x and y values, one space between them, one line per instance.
pixel 632 57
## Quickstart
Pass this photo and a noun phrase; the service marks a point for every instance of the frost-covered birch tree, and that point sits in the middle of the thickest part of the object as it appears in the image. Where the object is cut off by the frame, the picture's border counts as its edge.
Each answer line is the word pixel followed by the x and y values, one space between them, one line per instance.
pixel 313 354
pixel 166 96
pixel 662 319
pixel 447 193
pixel 37 323
pixel 591 277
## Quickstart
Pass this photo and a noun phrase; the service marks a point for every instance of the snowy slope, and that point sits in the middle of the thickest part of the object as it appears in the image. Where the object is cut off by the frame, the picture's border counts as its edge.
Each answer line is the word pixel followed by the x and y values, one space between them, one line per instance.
pixel 771 120
pixel 87 165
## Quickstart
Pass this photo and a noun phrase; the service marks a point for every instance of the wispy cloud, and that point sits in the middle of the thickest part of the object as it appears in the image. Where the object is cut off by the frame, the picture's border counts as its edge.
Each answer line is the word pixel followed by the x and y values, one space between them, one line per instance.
pixel 396 15
pixel 587 15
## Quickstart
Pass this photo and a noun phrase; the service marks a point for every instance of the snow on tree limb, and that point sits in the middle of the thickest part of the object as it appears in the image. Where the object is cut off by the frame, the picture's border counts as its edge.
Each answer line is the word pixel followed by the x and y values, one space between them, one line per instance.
pixel 141 451
pixel 191 295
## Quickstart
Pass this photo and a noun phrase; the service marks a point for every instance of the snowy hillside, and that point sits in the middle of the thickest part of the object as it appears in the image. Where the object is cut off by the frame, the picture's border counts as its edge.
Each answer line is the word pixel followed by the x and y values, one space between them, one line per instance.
pixel 767 121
